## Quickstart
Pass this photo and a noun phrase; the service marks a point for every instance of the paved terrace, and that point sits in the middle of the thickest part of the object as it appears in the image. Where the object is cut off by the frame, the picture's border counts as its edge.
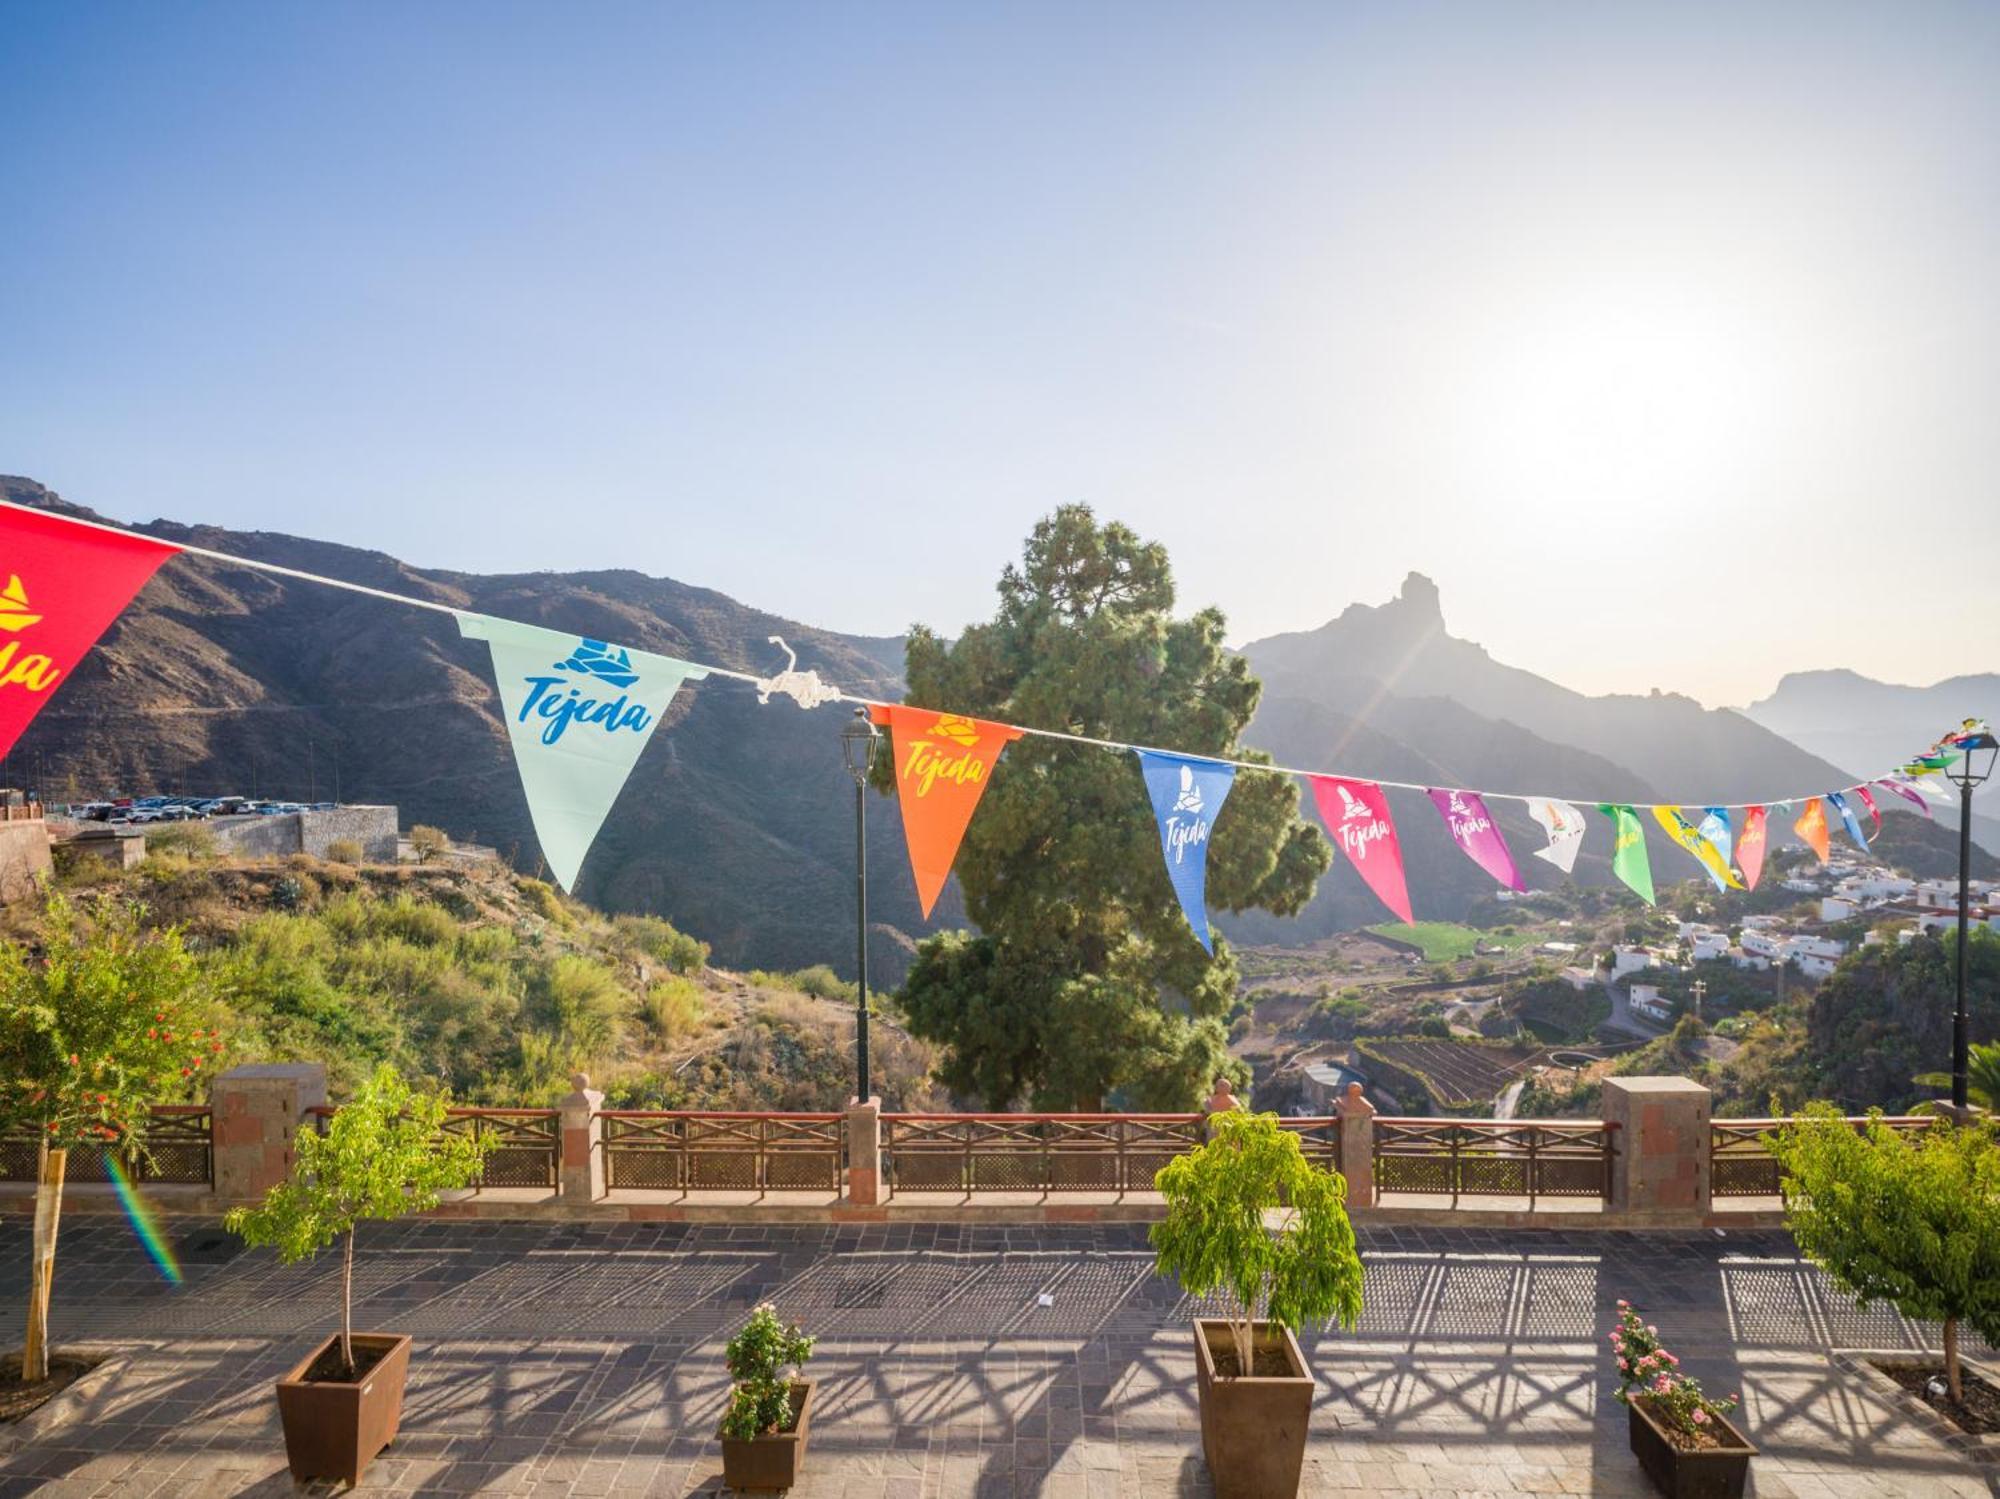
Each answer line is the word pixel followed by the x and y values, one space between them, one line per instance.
pixel 584 1359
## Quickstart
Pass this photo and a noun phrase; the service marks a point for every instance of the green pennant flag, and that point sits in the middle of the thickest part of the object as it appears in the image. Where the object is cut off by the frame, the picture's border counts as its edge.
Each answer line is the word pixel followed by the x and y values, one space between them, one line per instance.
pixel 1628 855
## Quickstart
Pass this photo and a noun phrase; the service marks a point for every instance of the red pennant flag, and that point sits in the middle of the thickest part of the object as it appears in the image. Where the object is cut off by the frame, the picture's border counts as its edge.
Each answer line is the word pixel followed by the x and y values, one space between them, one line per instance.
pixel 1357 814
pixel 64 584
pixel 1811 828
pixel 943 764
pixel 1750 847
pixel 1869 802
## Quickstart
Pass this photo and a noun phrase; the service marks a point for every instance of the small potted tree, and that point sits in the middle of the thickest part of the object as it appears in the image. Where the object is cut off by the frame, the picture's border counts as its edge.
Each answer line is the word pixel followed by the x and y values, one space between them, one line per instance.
pixel 385 1154
pixel 1681 1436
pixel 769 1417
pixel 1248 1215
pixel 107 1020
pixel 1913 1221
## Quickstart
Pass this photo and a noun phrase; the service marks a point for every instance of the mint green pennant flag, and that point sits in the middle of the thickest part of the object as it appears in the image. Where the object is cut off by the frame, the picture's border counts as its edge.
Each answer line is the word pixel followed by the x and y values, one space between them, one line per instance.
pixel 578 712
pixel 1628 855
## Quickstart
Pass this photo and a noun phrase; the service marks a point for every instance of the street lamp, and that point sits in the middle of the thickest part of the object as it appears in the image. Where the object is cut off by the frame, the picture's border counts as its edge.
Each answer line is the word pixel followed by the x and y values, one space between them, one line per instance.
pixel 1977 750
pixel 857 747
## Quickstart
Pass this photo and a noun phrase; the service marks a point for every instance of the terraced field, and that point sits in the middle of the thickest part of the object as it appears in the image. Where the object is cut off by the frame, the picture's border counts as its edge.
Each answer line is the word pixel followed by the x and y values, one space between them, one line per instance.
pixel 1455 1072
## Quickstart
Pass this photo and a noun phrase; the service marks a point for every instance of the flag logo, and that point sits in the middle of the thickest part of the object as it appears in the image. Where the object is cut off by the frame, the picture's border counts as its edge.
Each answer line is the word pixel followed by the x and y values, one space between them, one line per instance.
pixel 608 663
pixel 14 612
pixel 956 727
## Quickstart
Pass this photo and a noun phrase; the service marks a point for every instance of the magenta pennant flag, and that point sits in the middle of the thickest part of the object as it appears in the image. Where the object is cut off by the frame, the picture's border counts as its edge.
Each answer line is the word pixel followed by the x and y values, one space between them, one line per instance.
pixel 1869 802
pixel 1473 829
pixel 1357 814
pixel 1908 794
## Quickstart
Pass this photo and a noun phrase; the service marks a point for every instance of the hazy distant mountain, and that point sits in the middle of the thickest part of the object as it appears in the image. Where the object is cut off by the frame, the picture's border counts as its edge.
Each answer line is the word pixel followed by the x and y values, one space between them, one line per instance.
pixel 1865 726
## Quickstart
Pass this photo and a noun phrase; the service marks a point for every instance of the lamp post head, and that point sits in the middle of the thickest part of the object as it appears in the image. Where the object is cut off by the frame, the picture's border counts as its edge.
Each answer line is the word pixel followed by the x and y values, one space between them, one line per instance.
pixel 1977 750
pixel 857 745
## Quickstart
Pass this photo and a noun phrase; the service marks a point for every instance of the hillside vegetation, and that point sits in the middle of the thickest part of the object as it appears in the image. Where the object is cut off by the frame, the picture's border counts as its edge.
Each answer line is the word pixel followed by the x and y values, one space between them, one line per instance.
pixel 498 985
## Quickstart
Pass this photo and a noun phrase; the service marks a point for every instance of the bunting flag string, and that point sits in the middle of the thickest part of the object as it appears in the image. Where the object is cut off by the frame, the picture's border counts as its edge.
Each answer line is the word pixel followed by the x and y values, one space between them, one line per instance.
pixel 1750 847
pixel 1812 830
pixel 1357 814
pixel 579 711
pixel 1848 820
pixel 1714 826
pixel 944 763
pixel 1564 825
pixel 1684 833
pixel 1629 860
pixel 64 587
pixel 1187 794
pixel 1474 830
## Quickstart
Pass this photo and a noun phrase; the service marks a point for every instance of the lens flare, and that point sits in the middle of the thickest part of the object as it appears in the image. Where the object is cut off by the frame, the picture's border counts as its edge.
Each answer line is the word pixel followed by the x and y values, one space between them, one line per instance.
pixel 144 1223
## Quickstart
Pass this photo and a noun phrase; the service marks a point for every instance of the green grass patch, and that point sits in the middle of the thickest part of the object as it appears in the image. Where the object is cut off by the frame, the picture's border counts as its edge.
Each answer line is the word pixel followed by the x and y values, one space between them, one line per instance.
pixel 1447 941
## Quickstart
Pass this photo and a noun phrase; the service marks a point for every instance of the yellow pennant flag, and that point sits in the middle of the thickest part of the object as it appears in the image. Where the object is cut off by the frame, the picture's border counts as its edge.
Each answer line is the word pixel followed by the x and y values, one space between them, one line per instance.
pixel 1689 837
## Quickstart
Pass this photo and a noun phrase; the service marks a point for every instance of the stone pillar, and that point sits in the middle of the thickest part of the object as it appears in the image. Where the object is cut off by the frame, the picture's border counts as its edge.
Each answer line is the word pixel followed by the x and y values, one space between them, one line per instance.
pixel 1662 1166
pixel 254 1112
pixel 1357 1146
pixel 582 1141
pixel 864 1152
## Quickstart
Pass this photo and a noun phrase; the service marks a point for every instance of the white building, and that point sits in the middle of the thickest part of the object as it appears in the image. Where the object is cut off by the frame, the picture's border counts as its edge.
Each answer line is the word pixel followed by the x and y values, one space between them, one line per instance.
pixel 1817 968
pixel 1709 945
pixel 1839 907
pixel 1632 960
pixel 1763 944
pixel 1579 978
pixel 1803 887
pixel 1741 959
pixel 1799 948
pixel 1646 1000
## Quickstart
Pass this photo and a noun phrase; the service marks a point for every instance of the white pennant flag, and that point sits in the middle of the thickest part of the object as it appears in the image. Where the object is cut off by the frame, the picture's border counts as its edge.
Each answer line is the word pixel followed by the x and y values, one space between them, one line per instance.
pixel 1564 825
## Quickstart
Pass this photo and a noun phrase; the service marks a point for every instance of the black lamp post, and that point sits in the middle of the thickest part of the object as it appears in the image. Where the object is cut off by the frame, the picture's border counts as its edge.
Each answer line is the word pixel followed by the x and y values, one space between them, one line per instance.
pixel 1977 750
pixel 857 746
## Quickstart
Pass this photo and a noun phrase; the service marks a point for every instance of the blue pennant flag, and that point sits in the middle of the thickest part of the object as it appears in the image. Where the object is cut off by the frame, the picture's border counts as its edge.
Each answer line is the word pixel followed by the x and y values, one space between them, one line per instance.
pixel 1187 794
pixel 1715 828
pixel 1847 816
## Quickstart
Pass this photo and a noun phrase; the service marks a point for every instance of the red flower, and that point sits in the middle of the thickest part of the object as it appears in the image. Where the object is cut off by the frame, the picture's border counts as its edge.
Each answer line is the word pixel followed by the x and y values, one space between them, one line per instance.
pixel 185 1072
pixel 151 1034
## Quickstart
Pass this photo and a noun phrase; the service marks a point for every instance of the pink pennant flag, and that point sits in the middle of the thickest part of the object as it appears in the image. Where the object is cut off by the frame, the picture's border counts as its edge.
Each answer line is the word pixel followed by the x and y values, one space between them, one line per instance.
pixel 1357 814
pixel 1869 802
pixel 1473 829
pixel 1908 794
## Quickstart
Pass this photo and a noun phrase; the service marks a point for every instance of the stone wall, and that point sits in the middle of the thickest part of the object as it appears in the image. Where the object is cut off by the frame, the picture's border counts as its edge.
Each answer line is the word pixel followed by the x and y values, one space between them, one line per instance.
pixel 374 828
pixel 24 857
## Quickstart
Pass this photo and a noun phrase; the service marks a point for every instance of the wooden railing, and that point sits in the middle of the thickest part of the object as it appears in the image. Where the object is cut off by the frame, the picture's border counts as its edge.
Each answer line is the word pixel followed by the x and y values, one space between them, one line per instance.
pixel 1741 1163
pixel 529 1148
pixel 1032 1152
pixel 678 1151
pixel 177 1152
pixel 1494 1158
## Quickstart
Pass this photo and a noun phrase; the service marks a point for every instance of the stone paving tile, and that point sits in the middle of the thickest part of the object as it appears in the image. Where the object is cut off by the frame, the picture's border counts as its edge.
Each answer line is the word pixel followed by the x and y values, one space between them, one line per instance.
pixel 566 1361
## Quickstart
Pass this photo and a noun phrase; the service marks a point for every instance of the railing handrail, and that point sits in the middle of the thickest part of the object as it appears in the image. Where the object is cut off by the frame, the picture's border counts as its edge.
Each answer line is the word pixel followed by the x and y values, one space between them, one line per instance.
pixel 1780 1123
pixel 180 1110
pixel 1495 1126
pixel 816 1118
pixel 1036 1118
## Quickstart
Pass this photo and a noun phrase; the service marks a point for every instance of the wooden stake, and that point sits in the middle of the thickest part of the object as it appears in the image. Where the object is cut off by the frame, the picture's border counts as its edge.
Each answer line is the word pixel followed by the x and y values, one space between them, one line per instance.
pixel 42 1265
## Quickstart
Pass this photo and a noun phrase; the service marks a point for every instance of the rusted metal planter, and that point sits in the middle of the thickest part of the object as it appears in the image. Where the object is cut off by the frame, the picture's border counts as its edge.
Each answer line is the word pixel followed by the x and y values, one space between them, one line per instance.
pixel 774 1461
pixel 1712 1473
pixel 1253 1427
pixel 334 1428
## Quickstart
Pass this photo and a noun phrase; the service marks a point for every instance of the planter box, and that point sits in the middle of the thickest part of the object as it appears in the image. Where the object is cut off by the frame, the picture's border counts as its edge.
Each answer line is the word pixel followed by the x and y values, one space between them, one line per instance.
pixel 771 1462
pixel 334 1428
pixel 1714 1473
pixel 1861 1364
pixel 1253 1427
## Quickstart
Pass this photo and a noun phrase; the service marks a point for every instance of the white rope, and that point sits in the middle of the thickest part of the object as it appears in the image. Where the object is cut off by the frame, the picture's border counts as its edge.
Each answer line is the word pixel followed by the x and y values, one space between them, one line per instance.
pixel 869 702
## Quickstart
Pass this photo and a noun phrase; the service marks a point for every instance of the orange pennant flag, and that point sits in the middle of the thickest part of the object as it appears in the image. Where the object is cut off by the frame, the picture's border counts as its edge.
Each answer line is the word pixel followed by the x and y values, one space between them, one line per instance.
pixel 943 763
pixel 1811 827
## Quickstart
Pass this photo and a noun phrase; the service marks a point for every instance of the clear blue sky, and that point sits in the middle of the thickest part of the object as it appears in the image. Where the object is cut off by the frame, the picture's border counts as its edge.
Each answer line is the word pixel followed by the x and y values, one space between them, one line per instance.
pixel 823 304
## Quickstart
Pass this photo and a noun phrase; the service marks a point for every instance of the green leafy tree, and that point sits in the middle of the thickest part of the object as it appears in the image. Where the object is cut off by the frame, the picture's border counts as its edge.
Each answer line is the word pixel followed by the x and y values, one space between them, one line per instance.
pixel 1217 1234
pixel 384 1155
pixel 107 1020
pixel 1910 1220
pixel 760 1399
pixel 1083 977
pixel 429 843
